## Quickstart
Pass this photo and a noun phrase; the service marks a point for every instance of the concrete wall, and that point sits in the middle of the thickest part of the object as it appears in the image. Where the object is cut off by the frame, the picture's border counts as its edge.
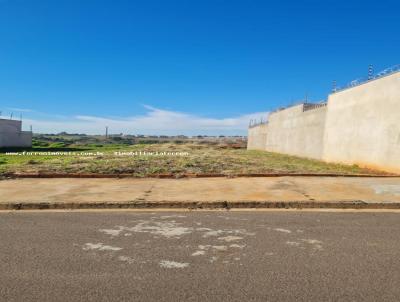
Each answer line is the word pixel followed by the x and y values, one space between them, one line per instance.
pixel 363 125
pixel 10 126
pixel 12 136
pixel 298 132
pixel 21 139
pixel 257 137
pixel 359 125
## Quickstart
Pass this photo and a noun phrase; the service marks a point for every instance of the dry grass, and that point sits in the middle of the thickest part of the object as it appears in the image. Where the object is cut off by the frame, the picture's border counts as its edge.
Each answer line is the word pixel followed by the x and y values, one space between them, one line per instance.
pixel 201 158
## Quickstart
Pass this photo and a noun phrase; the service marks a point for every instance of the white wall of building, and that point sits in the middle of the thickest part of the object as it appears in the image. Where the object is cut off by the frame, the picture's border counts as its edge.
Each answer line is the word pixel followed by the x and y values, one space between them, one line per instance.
pixel 12 136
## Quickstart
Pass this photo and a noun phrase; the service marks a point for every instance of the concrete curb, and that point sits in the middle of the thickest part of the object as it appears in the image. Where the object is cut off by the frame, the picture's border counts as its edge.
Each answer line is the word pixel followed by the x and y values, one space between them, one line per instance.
pixel 356 204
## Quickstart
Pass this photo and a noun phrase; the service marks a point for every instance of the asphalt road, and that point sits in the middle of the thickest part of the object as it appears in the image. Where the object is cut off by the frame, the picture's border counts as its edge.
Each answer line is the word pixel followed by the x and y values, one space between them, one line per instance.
pixel 199 256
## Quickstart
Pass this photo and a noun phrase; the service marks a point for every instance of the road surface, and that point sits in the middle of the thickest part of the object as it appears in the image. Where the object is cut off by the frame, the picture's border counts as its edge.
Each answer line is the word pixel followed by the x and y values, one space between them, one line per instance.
pixel 199 256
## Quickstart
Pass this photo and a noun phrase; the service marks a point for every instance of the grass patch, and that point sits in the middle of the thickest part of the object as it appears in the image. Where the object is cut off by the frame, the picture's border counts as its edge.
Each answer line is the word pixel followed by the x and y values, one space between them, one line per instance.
pixel 201 158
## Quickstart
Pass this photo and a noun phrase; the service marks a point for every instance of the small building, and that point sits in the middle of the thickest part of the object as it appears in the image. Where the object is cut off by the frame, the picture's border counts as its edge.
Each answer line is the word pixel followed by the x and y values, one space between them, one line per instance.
pixel 11 134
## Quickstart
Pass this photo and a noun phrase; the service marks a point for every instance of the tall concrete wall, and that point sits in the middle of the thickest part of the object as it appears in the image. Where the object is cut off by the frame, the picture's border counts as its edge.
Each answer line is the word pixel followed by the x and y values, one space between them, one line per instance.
pixel 297 131
pixel 359 125
pixel 10 126
pixel 12 136
pixel 363 125
pixel 21 139
pixel 257 137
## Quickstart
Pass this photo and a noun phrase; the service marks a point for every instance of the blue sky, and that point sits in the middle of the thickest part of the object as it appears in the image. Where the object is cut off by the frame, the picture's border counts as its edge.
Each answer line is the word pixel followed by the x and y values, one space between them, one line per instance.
pixel 191 67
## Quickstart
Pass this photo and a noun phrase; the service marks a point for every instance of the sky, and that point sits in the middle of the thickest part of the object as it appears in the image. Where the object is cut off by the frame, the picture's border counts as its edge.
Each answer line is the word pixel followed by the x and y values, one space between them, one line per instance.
pixel 182 67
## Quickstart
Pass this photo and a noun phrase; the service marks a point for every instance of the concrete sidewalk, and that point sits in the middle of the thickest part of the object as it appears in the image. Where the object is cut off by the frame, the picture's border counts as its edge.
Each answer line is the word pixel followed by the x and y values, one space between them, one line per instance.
pixel 226 192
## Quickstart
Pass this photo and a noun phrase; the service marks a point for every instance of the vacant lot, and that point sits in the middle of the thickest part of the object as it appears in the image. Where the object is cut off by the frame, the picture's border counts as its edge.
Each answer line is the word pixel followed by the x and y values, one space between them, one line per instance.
pixel 197 158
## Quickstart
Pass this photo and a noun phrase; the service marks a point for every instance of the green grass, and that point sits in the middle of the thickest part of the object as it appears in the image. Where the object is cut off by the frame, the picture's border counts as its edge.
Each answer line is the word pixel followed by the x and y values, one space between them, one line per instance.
pixel 202 158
